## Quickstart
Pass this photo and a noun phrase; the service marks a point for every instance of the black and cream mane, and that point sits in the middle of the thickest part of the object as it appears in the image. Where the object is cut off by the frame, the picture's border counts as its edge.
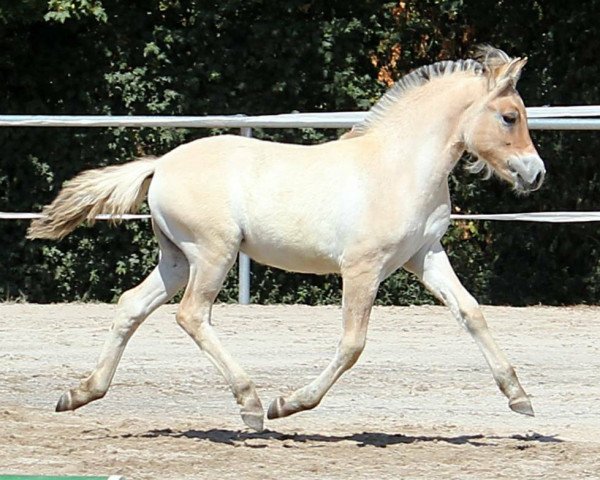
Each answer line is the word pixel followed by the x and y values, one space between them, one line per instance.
pixel 485 58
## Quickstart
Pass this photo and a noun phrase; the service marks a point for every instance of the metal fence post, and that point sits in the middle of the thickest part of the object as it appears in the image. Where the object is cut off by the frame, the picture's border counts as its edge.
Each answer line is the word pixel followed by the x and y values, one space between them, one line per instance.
pixel 244 260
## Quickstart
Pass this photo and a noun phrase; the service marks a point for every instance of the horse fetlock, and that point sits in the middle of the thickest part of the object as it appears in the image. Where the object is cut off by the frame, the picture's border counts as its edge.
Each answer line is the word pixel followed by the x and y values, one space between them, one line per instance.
pixel 509 384
pixel 244 388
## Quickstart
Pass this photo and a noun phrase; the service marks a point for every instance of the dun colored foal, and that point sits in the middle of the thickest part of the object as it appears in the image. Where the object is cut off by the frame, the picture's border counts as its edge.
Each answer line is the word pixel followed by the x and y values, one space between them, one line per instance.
pixel 362 206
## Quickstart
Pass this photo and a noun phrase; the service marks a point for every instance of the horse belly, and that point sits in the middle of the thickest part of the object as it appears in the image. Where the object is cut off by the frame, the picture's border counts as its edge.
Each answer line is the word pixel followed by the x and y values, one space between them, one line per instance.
pixel 294 221
pixel 303 256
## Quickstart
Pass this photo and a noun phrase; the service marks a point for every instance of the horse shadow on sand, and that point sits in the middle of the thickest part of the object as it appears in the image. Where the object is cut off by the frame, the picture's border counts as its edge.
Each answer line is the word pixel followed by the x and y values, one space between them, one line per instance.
pixel 268 438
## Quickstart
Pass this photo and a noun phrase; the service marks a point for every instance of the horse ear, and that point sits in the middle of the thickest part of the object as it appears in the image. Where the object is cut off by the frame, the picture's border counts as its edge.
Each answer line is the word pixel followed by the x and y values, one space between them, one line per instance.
pixel 514 69
pixel 505 77
pixel 509 72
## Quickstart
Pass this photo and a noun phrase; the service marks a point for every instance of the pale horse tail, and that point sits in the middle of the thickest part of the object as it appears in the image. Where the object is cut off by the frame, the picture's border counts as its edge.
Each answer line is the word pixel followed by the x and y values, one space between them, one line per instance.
pixel 111 190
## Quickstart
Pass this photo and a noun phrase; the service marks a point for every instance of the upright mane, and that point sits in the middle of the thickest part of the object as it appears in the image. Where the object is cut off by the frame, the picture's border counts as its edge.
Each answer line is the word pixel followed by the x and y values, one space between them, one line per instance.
pixel 486 58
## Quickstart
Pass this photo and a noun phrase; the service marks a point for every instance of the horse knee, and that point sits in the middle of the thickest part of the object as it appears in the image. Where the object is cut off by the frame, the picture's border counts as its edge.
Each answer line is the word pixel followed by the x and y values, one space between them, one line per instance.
pixel 473 317
pixel 351 349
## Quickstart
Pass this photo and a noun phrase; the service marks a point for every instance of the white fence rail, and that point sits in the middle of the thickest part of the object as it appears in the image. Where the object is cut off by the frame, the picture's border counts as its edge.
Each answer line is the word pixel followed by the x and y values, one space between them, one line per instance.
pixel 539 118
pixel 539 217
pixel 546 118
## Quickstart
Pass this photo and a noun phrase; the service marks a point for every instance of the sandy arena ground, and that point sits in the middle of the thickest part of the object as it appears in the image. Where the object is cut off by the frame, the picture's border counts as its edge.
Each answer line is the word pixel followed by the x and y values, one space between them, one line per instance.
pixel 420 403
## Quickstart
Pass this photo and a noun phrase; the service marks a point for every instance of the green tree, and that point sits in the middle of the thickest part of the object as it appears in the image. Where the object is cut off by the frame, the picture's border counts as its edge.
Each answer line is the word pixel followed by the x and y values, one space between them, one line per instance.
pixel 189 57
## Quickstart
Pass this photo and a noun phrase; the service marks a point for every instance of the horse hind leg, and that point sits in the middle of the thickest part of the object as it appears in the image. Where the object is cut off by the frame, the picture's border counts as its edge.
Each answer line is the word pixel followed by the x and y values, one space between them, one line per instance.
pixel 169 276
pixel 358 295
pixel 208 268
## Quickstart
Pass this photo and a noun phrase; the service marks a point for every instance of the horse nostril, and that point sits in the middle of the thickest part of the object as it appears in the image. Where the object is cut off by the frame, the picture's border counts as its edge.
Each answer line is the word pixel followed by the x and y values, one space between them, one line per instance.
pixel 537 181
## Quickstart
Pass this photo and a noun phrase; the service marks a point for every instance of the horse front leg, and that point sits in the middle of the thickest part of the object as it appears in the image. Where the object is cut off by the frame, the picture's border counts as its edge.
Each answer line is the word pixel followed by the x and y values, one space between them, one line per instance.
pixel 433 268
pixel 359 290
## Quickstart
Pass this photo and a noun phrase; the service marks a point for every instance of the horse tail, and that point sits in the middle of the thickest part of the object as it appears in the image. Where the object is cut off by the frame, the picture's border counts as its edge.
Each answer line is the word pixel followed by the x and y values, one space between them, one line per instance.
pixel 113 190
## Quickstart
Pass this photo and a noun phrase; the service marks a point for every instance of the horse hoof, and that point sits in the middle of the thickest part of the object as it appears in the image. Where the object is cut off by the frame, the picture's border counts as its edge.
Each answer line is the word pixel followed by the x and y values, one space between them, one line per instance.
pixel 522 405
pixel 253 414
pixel 277 409
pixel 65 403
pixel 253 421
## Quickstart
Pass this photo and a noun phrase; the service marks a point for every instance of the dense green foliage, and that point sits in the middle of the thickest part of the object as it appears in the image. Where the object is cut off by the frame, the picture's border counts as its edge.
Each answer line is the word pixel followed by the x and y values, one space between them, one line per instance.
pixel 185 57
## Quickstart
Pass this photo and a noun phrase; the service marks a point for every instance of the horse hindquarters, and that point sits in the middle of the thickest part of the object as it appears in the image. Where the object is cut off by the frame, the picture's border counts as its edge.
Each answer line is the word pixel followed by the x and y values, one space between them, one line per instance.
pixel 192 207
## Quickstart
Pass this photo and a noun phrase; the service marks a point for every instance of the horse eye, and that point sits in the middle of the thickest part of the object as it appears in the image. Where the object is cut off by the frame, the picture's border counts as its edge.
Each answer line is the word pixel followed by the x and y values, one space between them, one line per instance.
pixel 510 118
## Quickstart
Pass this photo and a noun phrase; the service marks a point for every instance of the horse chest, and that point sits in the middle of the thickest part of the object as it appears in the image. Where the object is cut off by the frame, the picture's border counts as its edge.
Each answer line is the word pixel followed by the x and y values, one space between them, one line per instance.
pixel 414 234
pixel 437 223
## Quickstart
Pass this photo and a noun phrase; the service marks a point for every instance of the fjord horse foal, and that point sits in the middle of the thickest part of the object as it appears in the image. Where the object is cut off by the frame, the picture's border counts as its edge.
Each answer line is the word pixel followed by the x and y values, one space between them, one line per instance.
pixel 362 206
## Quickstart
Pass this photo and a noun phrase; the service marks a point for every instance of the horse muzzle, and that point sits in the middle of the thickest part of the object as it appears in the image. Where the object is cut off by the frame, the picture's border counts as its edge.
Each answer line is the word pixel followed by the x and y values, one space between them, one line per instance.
pixel 528 172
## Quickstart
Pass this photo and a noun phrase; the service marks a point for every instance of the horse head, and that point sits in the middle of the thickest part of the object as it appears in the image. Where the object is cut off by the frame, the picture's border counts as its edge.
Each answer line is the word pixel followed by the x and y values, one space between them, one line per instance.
pixel 496 126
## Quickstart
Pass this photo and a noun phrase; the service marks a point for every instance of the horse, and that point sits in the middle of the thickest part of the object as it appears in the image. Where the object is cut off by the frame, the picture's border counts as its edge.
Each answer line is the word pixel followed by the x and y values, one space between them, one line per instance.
pixel 361 206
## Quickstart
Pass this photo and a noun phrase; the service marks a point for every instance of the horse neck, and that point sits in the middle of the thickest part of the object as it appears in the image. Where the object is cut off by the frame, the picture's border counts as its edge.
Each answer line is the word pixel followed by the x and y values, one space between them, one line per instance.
pixel 423 132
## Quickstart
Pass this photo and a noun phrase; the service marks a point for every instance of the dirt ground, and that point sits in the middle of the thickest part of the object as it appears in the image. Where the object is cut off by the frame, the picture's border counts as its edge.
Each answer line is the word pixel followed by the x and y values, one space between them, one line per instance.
pixel 420 403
